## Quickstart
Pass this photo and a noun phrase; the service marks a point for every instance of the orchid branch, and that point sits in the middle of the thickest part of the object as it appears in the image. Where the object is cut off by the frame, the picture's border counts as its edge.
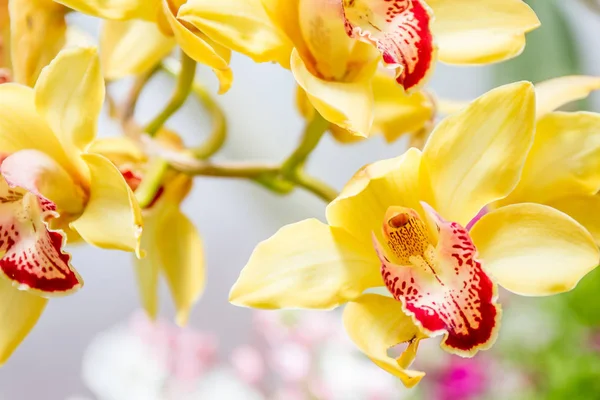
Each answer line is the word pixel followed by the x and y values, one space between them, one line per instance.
pixel 184 87
pixel 218 135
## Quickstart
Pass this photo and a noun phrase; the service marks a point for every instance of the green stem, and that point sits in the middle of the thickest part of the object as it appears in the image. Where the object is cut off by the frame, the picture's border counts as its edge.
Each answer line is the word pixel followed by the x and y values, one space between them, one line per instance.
pixel 238 170
pixel 315 186
pixel 184 87
pixel 218 135
pixel 150 184
pixel 312 135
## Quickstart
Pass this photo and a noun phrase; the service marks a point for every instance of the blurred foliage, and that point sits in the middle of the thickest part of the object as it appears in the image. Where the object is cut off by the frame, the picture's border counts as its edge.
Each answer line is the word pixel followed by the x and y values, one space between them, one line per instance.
pixel 568 366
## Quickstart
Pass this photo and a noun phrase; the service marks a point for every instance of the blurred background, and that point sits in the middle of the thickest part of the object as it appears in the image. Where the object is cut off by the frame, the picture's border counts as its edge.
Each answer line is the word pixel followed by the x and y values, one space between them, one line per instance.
pixel 93 345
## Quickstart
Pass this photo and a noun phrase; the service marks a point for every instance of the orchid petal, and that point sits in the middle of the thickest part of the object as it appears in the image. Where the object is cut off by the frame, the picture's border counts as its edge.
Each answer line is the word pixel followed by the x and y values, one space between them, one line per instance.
pixel 116 9
pixel 33 257
pixel 362 205
pixel 306 265
pixel 41 175
pixel 19 312
pixel 400 29
pixel 174 247
pixel 112 218
pixel 481 32
pixel 346 104
pixel 38 31
pixel 397 113
pixel 69 94
pixel 182 260
pixel 241 25
pixel 584 209
pixel 199 47
pixel 21 127
pixel 285 15
pixel 322 28
pixel 376 323
pixel 444 289
pixel 492 136
pixel 132 47
pixel 534 250
pixel 564 159
pixel 555 93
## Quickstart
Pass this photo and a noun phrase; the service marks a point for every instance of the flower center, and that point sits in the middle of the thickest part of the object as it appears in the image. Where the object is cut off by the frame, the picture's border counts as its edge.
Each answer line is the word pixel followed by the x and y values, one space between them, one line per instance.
pixel 442 286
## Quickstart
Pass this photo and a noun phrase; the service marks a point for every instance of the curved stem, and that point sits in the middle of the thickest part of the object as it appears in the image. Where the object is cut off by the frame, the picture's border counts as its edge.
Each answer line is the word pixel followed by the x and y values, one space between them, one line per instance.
pixel 237 170
pixel 312 135
pixel 184 86
pixel 218 135
pixel 315 186
pixel 153 179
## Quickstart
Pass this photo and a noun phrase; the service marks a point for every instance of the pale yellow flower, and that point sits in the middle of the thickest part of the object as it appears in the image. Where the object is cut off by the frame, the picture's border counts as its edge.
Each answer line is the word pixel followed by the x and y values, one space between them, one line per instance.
pixel 400 224
pixel 338 44
pixel 172 245
pixel 139 33
pixel 49 175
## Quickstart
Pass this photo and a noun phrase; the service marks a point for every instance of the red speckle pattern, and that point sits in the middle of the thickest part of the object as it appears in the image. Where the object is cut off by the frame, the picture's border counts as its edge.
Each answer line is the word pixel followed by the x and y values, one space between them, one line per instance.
pixel 33 257
pixel 444 288
pixel 400 29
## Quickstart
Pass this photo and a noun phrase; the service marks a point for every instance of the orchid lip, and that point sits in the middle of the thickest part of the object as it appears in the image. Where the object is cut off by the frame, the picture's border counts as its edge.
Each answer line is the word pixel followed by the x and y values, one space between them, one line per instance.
pixel 442 287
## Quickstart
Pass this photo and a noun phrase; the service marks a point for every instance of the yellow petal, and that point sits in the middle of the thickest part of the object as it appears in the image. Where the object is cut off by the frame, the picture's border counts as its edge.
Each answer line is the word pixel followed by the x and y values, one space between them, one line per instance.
pixel 116 9
pixel 306 265
pixel 118 149
pixel 375 323
pixel 361 206
pixel 564 159
pixel 69 94
pixel 346 104
pixel 584 209
pixel 285 14
pixel 241 25
pixel 19 312
pixel 199 47
pixel 181 256
pixel 147 268
pixel 397 113
pixel 112 218
pixel 534 250
pixel 132 47
pixel 555 93
pixel 483 32
pixel 40 174
pixel 173 246
pixel 38 31
pixel 191 41
pixel 476 156
pixel 323 30
pixel 21 127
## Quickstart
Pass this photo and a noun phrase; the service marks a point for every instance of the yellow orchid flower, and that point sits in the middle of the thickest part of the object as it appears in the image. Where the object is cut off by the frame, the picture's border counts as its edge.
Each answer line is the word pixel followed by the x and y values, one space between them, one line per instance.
pixel 336 71
pixel 170 240
pixel 563 167
pixel 140 33
pixel 395 113
pixel 49 175
pixel 399 224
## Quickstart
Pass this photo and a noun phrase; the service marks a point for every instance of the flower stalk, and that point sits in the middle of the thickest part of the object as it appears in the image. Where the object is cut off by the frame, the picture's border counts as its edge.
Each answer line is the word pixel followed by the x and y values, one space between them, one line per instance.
pixel 184 87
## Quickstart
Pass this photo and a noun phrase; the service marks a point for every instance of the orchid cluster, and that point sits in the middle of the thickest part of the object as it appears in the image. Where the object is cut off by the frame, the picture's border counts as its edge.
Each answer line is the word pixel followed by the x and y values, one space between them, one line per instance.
pixel 501 191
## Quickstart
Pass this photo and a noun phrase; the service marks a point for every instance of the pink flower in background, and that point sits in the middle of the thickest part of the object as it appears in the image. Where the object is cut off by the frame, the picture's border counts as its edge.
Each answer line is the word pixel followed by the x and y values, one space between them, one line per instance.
pixel 187 354
pixel 463 379
pixel 249 364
